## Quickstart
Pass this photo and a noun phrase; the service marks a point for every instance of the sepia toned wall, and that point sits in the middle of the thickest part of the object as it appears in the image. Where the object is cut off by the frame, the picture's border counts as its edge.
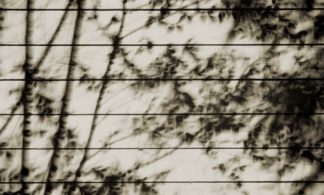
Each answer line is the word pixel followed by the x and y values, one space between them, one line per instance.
pixel 161 97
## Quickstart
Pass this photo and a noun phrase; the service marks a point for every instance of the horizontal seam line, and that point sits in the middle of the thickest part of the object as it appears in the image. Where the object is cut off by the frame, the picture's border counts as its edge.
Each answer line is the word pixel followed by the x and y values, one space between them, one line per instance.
pixel 164 9
pixel 170 79
pixel 293 181
pixel 162 114
pixel 171 148
pixel 164 45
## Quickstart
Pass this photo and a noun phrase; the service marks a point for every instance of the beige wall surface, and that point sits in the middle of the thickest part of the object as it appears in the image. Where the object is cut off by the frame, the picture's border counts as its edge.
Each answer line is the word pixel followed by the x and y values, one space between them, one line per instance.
pixel 161 97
